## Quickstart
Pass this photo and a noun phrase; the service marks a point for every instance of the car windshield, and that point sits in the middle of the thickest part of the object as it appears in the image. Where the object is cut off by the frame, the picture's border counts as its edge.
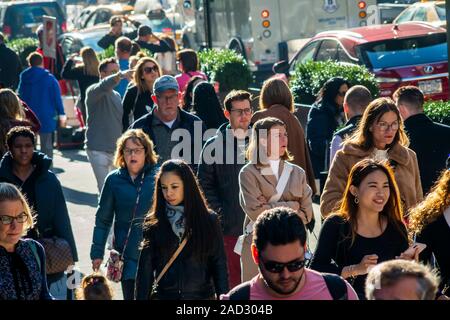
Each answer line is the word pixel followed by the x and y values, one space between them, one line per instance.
pixel 92 42
pixel 440 9
pixel 31 13
pixel 404 52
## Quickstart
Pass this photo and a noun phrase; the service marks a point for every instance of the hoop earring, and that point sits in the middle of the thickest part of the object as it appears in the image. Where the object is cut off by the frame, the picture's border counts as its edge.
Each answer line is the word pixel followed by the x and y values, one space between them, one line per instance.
pixel 356 200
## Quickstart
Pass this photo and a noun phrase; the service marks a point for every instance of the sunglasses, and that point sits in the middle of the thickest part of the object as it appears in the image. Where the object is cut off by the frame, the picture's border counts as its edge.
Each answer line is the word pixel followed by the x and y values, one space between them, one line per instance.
pixel 150 69
pixel 278 267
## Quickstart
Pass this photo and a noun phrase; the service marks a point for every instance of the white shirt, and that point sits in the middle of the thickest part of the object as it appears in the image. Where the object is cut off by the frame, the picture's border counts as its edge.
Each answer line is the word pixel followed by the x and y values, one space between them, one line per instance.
pixel 170 123
pixel 379 155
pixel 275 165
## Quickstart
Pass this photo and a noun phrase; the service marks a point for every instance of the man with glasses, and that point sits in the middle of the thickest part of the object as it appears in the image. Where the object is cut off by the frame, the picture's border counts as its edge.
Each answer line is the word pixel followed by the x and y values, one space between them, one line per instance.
pixel 168 126
pixel 104 118
pixel 222 158
pixel 279 245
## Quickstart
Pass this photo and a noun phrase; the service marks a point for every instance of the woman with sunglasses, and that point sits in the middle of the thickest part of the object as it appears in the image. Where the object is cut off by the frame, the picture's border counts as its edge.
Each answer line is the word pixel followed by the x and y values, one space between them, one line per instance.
pixel 270 181
pixel 125 199
pixel 22 261
pixel 367 229
pixel 324 118
pixel 180 217
pixel 380 135
pixel 137 101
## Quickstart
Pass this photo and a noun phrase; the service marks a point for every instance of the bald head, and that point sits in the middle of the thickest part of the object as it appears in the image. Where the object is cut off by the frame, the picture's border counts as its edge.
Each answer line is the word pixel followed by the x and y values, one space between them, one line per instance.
pixel 356 101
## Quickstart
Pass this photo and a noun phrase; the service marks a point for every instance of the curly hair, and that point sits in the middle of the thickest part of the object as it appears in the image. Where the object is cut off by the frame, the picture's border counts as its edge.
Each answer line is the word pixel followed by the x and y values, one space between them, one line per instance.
pixel 433 206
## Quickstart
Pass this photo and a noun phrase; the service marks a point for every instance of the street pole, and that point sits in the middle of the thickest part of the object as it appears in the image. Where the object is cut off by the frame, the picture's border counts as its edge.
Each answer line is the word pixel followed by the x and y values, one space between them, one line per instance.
pixel 207 20
pixel 447 14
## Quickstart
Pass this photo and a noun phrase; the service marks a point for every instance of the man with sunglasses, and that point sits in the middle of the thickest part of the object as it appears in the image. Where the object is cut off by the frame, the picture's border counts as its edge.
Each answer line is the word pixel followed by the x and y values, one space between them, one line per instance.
pixel 279 245
pixel 148 40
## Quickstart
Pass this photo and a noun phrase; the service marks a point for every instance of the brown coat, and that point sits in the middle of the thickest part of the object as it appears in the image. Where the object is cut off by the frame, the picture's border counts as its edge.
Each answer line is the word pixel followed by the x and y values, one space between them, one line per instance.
pixel 296 139
pixel 296 195
pixel 406 174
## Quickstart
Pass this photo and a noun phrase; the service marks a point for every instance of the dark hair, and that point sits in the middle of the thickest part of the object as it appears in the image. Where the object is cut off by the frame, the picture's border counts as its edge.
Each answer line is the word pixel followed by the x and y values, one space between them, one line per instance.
pixel 95 287
pixel 206 105
pixel 189 59
pixel 330 90
pixel 104 64
pixel 198 221
pixel 35 59
pixel 411 96
pixel 187 98
pixel 363 137
pixel 19 131
pixel 124 44
pixel 278 226
pixel 358 98
pixel 135 48
pixel 236 95
pixel 392 210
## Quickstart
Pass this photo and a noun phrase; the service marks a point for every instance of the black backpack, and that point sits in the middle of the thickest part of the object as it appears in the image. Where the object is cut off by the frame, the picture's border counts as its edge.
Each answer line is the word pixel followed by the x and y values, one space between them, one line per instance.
pixel 335 284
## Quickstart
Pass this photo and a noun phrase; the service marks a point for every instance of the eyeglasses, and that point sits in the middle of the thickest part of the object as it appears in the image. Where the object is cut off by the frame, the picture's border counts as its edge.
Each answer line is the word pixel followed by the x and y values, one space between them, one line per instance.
pixel 21 218
pixel 278 267
pixel 240 112
pixel 150 69
pixel 168 98
pixel 384 126
pixel 136 151
pixel 342 94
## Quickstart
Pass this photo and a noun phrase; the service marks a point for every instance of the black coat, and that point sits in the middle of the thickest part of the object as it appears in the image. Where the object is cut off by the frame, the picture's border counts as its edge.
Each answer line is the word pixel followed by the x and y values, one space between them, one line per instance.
pixel 140 104
pixel 322 122
pixel 10 67
pixel 220 181
pixel 187 278
pixel 52 215
pixel 431 143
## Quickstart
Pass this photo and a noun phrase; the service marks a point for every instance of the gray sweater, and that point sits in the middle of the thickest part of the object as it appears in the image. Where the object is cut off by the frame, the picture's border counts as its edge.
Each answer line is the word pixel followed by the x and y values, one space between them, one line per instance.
pixel 104 115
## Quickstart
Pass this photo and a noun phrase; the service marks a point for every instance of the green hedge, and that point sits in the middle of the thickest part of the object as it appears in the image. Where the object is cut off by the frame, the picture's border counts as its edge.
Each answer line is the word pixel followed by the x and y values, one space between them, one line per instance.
pixel 309 77
pixel 438 111
pixel 23 47
pixel 226 67
pixel 110 53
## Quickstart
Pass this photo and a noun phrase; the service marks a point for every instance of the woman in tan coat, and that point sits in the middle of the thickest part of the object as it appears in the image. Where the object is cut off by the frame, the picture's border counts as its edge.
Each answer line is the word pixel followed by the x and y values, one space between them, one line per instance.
pixel 270 181
pixel 276 101
pixel 380 136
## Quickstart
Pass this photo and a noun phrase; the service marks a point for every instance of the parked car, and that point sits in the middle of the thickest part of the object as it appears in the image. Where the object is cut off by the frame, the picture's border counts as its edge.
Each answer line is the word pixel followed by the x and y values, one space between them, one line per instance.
pixel 430 11
pixel 20 19
pixel 94 15
pixel 410 53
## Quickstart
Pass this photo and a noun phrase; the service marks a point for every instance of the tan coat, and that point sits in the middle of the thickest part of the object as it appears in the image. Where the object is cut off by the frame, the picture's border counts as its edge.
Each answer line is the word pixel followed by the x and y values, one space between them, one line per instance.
pixel 296 139
pixel 296 195
pixel 406 174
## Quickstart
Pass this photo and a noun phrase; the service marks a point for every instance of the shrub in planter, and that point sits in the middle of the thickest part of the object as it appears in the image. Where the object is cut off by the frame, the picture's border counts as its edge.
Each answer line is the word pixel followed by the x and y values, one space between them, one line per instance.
pixel 438 111
pixel 110 53
pixel 23 47
pixel 309 77
pixel 226 67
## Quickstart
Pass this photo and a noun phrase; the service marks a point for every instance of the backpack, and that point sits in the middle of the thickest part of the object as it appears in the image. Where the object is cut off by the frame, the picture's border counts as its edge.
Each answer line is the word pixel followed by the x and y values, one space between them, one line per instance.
pixel 335 284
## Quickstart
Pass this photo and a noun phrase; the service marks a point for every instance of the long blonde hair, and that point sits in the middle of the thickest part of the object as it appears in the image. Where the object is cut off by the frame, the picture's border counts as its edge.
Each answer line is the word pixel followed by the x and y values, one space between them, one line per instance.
pixel 10 106
pixel 433 206
pixel 90 61
pixel 9 192
pixel 137 79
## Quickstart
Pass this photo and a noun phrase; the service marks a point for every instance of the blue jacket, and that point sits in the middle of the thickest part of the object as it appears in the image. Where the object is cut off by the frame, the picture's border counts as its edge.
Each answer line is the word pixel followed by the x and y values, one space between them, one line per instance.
pixel 52 215
pixel 117 201
pixel 40 90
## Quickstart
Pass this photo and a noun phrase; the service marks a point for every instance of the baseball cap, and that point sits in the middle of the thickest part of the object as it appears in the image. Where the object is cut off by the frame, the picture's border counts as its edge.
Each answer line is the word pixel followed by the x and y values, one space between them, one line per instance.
pixel 144 30
pixel 164 83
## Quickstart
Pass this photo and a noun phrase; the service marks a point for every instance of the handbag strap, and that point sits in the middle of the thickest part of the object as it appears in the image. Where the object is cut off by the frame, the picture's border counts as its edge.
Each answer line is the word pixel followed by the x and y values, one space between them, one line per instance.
pixel 169 263
pixel 134 214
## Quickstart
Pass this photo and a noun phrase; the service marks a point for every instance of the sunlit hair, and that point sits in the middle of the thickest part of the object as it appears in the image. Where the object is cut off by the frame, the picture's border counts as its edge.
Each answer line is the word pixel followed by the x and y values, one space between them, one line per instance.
pixel 9 192
pixel 276 91
pixel 90 61
pixel 138 137
pixel 94 287
pixel 198 225
pixel 434 205
pixel 10 106
pixel 392 210
pixel 139 74
pixel 363 137
pixel 261 129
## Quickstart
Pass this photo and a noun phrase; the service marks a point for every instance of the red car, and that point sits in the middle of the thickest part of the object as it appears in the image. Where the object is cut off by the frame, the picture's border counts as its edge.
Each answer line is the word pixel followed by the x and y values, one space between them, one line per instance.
pixel 410 53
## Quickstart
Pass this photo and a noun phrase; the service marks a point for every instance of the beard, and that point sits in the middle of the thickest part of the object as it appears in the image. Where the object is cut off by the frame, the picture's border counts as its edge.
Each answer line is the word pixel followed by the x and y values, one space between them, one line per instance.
pixel 279 289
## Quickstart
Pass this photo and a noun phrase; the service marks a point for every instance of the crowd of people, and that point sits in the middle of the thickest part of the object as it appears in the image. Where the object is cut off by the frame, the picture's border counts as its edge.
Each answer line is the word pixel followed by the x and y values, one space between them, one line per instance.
pixel 226 215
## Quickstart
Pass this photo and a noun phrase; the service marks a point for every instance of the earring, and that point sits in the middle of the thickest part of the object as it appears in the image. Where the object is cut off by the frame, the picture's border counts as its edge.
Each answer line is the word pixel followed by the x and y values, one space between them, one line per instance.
pixel 356 200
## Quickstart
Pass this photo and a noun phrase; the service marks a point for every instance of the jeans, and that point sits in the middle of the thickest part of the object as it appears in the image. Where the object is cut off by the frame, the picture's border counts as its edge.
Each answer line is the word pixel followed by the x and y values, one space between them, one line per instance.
pixel 102 164
pixel 46 141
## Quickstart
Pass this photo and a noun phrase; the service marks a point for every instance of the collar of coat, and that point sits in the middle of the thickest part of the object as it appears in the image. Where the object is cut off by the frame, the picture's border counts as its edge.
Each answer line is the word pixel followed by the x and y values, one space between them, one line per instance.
pixel 269 176
pixel 397 152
